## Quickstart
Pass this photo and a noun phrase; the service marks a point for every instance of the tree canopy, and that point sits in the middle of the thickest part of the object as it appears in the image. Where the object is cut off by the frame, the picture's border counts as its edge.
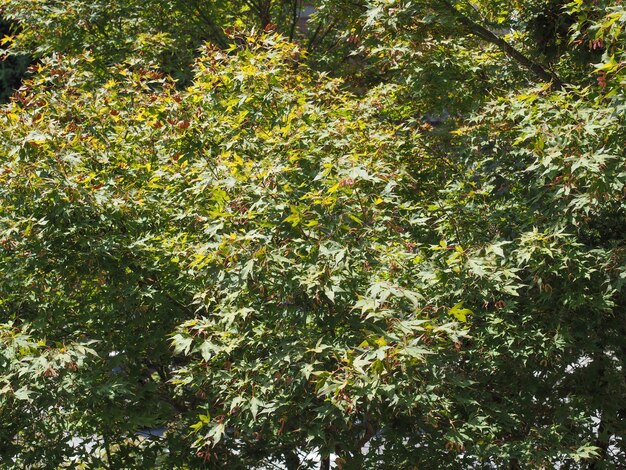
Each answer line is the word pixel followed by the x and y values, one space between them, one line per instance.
pixel 393 237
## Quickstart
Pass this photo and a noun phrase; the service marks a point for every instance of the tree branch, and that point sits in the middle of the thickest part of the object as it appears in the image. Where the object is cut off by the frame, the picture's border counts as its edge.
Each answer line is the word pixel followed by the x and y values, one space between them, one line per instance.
pixel 477 29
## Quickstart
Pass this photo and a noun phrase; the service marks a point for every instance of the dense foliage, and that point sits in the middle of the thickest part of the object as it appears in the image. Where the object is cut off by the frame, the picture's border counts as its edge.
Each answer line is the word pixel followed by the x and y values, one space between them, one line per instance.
pixel 12 67
pixel 394 238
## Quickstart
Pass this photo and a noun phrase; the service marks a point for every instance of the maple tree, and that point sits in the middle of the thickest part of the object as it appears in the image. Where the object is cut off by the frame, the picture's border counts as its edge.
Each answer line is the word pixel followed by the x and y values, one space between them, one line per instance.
pixel 393 238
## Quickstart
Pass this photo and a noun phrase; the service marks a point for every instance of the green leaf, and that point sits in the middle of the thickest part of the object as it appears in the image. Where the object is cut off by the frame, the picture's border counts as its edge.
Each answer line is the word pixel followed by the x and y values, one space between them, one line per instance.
pixel 460 313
